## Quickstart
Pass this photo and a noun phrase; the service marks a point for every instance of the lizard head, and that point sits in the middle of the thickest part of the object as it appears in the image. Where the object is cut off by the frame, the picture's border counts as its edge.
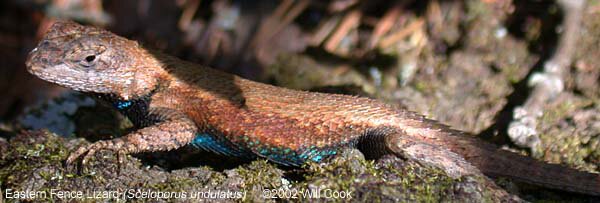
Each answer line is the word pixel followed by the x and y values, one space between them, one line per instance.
pixel 90 59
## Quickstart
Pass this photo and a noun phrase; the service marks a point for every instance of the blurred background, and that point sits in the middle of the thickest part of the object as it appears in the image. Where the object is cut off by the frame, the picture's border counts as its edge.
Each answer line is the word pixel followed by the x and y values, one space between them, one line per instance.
pixel 374 45
pixel 465 63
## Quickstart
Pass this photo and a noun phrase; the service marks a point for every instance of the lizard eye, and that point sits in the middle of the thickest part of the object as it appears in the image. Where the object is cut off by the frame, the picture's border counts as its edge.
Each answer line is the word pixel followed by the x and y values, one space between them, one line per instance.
pixel 90 58
pixel 88 61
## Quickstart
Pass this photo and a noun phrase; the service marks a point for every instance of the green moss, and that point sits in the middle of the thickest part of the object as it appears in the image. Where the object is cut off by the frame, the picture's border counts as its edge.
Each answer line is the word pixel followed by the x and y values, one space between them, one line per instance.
pixel 422 184
pixel 27 154
pixel 258 175
pixel 215 178
pixel 560 111
pixel 332 172
pixel 379 182
pixel 175 185
pixel 566 138
pixel 513 73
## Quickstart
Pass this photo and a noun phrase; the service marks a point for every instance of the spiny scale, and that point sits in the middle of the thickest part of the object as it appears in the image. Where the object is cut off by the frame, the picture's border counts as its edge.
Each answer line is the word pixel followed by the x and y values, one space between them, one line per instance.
pixel 176 103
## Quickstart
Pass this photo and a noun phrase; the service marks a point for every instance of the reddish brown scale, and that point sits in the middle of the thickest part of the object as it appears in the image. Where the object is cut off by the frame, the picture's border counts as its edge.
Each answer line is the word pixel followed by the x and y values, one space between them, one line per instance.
pixel 188 99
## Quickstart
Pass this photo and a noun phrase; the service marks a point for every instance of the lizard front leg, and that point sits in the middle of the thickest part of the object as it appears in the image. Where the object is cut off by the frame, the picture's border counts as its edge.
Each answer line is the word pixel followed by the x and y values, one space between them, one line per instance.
pixel 170 129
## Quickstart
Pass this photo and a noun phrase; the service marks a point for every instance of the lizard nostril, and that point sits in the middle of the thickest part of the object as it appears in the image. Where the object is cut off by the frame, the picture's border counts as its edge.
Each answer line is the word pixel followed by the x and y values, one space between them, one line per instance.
pixel 45 43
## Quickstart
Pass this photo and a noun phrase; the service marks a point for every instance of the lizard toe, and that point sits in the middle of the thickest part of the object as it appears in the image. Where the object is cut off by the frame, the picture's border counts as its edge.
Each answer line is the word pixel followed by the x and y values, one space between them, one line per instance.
pixel 88 151
pixel 76 154
pixel 88 156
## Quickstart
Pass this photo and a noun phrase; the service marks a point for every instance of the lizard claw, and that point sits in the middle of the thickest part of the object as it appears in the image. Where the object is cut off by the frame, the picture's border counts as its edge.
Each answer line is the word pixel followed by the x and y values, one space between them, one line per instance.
pixel 88 151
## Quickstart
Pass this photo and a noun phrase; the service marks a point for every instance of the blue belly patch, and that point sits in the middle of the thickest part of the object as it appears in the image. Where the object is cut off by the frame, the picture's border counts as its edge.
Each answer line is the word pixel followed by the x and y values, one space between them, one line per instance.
pixel 289 157
pixel 210 143
pixel 250 149
pixel 317 155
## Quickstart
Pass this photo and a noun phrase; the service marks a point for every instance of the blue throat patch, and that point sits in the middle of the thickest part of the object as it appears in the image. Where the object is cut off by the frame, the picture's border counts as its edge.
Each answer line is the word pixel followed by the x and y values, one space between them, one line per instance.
pixel 122 105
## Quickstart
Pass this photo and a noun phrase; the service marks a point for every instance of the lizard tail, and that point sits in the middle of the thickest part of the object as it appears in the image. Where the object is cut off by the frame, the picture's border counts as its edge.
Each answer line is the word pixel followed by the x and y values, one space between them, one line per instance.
pixel 497 162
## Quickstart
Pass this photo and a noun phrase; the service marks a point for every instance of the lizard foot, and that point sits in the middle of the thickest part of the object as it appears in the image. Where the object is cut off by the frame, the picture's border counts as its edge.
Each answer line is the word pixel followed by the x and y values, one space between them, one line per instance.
pixel 116 145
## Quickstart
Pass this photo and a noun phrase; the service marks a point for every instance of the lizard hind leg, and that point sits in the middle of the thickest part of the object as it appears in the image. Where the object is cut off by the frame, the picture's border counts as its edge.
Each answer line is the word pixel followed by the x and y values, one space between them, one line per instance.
pixel 454 165
pixel 428 154
pixel 377 142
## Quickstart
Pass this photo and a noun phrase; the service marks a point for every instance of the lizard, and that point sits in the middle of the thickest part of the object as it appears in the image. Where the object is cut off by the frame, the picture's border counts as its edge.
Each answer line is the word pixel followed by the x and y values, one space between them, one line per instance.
pixel 174 103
